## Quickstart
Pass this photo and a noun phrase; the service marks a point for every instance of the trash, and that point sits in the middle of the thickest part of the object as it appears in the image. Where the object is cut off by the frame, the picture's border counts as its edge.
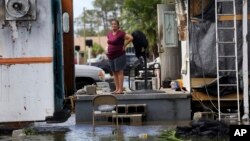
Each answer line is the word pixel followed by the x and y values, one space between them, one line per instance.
pixel 143 136
pixel 174 85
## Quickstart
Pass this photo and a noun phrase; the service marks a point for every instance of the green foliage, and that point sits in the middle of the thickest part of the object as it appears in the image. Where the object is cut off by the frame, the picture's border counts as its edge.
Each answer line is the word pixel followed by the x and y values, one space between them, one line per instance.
pixel 168 135
pixel 29 131
pixel 87 32
pixel 142 15
pixel 97 49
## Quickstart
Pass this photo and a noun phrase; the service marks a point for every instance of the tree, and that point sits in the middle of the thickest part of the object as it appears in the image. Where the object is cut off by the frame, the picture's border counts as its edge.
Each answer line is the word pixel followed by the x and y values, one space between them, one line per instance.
pixel 91 20
pixel 142 15
pixel 88 22
pixel 108 9
pixel 97 49
pixel 103 12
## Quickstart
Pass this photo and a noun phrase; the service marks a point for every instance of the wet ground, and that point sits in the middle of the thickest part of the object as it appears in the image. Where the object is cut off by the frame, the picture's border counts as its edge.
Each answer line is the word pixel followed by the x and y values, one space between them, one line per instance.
pixel 70 131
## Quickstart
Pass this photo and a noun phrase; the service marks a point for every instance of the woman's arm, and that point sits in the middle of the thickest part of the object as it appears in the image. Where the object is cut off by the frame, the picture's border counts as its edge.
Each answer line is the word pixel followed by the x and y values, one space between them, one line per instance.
pixel 128 39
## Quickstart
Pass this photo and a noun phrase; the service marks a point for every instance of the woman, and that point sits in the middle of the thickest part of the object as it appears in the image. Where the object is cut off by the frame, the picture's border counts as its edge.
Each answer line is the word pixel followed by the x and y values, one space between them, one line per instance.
pixel 117 42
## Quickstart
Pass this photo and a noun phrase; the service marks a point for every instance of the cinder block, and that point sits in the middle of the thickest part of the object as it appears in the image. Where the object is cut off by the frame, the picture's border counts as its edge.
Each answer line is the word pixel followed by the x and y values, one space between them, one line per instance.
pixel 136 119
pixel 132 109
pixel 137 109
pixel 132 119
pixel 142 109
pixel 122 109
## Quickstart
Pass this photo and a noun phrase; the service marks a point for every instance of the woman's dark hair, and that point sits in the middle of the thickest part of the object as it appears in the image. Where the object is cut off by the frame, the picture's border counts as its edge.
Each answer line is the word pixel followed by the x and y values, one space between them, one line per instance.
pixel 115 20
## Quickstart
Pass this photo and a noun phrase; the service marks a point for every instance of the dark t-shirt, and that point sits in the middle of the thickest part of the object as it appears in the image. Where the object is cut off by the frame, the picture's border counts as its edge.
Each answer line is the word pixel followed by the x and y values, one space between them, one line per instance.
pixel 115 44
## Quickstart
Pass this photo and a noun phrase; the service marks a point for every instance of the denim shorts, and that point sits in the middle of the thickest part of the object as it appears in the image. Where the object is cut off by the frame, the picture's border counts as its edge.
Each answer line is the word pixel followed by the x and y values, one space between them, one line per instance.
pixel 118 63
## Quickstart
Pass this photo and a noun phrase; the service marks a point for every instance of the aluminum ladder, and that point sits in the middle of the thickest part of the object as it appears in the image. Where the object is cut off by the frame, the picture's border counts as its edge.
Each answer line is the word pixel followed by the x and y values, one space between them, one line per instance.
pixel 220 58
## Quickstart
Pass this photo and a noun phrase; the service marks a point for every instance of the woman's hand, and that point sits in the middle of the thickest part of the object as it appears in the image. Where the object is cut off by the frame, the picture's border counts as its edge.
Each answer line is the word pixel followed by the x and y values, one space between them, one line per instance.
pixel 128 39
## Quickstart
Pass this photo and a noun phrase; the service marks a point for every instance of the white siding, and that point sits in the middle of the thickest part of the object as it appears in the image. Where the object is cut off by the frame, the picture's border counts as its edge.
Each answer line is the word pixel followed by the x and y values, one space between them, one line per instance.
pixel 27 90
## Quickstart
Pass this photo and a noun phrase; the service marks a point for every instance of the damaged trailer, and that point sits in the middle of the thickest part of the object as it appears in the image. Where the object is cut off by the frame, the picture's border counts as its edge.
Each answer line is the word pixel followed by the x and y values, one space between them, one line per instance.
pixel 33 60
pixel 214 50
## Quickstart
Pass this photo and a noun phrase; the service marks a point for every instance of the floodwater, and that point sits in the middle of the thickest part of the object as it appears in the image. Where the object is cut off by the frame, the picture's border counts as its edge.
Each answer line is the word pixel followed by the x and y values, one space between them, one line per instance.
pixel 70 131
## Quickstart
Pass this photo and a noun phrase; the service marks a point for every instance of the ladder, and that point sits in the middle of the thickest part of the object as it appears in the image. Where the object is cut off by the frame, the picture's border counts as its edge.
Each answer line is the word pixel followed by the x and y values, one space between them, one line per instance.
pixel 226 45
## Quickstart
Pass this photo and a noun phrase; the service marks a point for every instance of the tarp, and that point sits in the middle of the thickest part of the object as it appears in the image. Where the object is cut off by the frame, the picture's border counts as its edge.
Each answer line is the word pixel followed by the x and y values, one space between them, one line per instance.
pixel 202 43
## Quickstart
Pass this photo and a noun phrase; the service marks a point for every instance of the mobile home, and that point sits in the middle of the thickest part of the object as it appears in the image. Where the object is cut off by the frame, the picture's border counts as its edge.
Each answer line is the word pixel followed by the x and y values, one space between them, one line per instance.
pixel 33 59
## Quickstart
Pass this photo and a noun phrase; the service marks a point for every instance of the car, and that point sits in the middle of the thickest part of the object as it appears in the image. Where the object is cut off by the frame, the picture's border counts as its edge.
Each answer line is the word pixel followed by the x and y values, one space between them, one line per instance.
pixel 98 58
pixel 131 59
pixel 101 61
pixel 87 75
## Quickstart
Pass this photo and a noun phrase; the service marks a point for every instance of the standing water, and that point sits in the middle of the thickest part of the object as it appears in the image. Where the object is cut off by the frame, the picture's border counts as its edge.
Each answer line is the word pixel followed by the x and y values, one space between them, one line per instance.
pixel 70 131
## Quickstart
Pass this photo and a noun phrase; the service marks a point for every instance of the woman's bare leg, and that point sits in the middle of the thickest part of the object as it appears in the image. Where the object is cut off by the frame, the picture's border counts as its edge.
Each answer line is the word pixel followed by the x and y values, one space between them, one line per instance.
pixel 115 74
pixel 120 81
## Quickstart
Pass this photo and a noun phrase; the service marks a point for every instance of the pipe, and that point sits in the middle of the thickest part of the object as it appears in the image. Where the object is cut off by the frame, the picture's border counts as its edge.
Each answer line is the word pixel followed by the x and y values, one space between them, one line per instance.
pixel 245 62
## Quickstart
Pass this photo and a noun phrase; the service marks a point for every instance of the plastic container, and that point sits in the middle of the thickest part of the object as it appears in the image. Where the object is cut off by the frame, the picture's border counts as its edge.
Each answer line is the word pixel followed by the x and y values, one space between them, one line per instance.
pixel 174 85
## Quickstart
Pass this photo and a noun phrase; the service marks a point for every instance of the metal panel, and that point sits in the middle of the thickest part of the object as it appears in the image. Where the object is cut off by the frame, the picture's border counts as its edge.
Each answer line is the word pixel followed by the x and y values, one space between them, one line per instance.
pixel 26 97
pixel 27 90
pixel 1 13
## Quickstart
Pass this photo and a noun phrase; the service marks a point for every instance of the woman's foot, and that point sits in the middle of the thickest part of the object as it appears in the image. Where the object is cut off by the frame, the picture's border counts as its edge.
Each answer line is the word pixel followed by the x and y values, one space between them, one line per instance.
pixel 119 92
pixel 114 92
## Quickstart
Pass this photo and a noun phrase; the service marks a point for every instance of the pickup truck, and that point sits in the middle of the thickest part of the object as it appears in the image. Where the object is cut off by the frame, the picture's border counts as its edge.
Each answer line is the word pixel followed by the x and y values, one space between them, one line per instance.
pixel 87 75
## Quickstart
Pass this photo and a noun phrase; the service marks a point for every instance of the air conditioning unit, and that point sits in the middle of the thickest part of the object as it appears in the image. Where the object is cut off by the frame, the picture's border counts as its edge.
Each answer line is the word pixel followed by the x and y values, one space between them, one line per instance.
pixel 20 10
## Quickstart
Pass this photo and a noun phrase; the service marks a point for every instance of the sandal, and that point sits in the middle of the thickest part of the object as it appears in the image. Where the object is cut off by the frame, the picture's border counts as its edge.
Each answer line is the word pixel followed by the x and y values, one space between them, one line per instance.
pixel 119 93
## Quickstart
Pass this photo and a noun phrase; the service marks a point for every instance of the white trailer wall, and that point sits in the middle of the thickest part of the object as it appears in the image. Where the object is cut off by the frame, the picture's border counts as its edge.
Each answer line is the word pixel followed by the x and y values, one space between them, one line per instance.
pixel 26 66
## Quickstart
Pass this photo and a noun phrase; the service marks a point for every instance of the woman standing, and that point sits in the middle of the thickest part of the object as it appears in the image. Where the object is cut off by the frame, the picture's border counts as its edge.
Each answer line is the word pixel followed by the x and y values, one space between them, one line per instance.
pixel 117 42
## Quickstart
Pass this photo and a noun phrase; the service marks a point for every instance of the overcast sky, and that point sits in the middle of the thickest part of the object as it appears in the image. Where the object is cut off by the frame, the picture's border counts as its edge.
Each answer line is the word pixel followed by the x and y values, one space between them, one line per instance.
pixel 79 4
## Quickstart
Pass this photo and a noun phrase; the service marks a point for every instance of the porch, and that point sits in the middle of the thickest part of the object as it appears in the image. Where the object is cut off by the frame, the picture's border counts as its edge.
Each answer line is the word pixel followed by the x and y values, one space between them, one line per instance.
pixel 168 106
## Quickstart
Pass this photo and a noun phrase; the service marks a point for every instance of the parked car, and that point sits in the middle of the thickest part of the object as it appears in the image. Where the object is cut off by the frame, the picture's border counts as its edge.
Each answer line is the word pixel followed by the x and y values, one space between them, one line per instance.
pixel 131 59
pixel 87 75
pixel 98 58
pixel 101 61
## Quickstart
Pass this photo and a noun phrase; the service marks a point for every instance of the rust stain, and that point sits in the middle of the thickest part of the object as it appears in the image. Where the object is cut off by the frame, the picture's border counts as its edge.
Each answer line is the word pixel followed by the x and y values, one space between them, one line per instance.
pixel 25 60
